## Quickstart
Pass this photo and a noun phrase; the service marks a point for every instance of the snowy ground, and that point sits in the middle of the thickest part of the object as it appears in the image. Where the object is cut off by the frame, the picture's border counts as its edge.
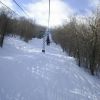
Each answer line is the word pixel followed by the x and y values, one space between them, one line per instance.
pixel 28 74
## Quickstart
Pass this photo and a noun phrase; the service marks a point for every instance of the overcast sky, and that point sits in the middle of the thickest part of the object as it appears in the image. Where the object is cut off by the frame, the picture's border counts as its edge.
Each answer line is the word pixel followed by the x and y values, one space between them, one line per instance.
pixel 61 10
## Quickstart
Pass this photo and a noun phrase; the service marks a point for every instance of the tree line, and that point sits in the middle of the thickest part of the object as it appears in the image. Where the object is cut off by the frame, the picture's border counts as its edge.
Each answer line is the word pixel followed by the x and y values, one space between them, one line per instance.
pixel 82 41
pixel 21 26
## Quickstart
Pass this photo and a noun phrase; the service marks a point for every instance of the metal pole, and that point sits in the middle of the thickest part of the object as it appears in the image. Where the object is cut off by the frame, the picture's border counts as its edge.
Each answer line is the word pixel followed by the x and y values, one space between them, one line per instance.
pixel 47 31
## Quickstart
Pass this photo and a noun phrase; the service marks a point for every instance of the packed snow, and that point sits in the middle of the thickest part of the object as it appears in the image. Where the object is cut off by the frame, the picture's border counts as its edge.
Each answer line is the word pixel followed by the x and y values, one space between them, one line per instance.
pixel 28 74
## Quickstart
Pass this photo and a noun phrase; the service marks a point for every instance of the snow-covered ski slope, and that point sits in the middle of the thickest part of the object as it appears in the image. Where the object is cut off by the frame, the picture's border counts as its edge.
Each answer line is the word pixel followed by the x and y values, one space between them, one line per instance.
pixel 28 74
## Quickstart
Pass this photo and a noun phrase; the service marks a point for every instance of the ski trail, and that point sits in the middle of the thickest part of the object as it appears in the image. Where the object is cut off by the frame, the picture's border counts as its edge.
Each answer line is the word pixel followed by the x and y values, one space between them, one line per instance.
pixel 28 74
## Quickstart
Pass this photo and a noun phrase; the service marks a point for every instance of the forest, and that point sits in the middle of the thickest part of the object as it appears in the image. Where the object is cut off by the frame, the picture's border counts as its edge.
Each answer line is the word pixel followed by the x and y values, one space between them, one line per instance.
pixel 81 39
pixel 13 25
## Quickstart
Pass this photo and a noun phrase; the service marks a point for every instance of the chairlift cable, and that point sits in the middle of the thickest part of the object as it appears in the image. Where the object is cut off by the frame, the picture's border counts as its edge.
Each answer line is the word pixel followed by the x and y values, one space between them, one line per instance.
pixel 20 7
pixel 9 8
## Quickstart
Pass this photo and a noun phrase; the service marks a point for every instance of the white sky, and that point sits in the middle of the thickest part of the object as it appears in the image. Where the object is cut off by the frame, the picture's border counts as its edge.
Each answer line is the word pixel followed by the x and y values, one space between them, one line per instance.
pixel 38 10
pixel 59 12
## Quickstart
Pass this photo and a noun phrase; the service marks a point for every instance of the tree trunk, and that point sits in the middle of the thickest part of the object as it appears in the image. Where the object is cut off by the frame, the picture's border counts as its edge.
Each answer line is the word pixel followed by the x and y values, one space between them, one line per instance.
pixel 93 57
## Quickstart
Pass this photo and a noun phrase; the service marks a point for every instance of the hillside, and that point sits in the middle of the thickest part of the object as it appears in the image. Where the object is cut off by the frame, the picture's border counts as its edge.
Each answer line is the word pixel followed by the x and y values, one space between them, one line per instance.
pixel 28 74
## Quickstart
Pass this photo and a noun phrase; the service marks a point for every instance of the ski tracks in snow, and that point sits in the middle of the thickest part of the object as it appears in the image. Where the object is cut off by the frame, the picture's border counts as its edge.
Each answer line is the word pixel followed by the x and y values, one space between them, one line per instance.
pixel 28 74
